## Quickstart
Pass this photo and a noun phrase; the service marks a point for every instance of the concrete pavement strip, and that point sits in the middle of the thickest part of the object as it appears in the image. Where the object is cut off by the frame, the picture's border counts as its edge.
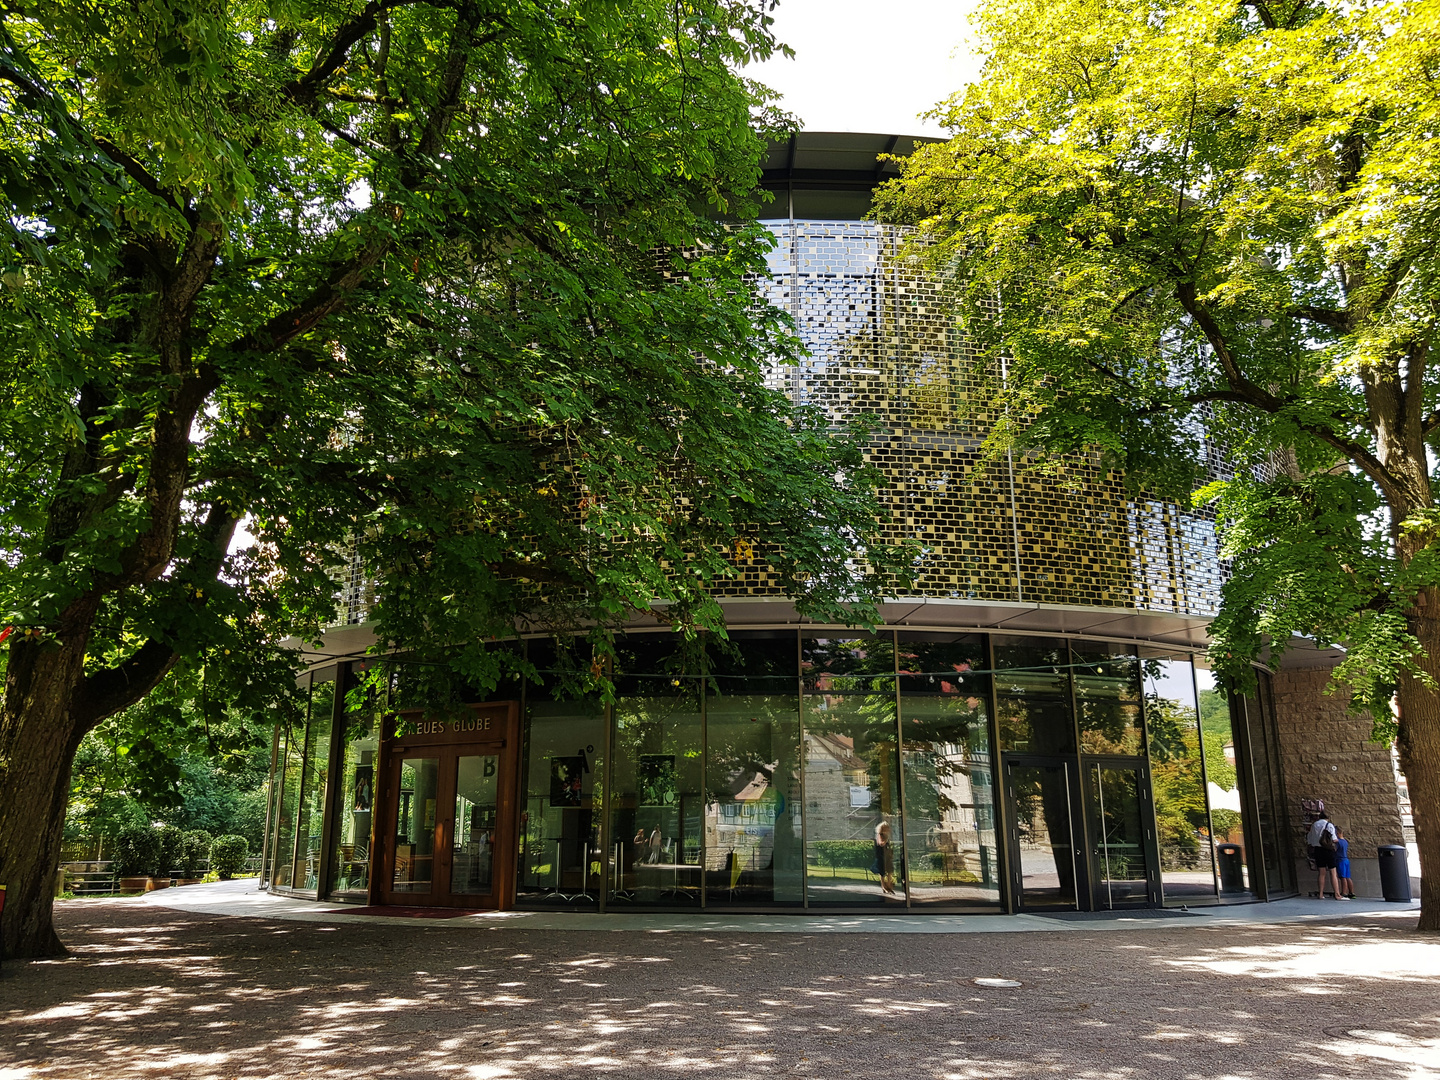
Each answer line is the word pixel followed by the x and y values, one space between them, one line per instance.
pixel 241 899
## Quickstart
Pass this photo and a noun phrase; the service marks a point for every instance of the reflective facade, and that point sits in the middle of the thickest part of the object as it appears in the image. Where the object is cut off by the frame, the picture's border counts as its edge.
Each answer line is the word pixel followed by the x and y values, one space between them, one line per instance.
pixel 1030 729
pixel 807 769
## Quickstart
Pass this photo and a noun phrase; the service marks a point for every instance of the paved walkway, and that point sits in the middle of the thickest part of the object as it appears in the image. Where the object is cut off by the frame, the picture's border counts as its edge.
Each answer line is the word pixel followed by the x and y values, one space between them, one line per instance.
pixel 271 989
pixel 242 898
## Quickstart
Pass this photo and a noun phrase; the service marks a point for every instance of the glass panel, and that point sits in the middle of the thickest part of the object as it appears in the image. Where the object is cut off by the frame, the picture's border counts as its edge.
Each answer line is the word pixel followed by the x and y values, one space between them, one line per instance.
pixel 289 795
pixel 1222 786
pixel 1032 690
pixel 561 855
pixel 1265 758
pixel 472 858
pixel 1107 693
pixel 415 810
pixel 311 817
pixel 281 834
pixel 350 850
pixel 1041 799
pixel 1177 779
pixel 949 797
pixel 1116 823
pixel 752 782
pixel 655 795
pixel 853 846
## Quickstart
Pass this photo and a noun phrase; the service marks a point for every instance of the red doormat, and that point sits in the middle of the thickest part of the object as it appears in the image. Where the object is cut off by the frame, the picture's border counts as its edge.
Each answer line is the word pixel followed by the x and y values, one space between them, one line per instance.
pixel 406 912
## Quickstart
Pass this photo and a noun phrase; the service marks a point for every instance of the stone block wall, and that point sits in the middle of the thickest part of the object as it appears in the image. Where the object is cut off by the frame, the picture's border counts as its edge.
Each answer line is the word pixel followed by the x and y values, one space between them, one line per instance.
pixel 1326 753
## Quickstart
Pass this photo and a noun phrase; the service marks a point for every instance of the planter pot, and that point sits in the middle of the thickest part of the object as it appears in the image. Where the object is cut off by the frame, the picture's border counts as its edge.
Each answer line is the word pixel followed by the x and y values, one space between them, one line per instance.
pixel 134 884
pixel 151 884
pixel 189 880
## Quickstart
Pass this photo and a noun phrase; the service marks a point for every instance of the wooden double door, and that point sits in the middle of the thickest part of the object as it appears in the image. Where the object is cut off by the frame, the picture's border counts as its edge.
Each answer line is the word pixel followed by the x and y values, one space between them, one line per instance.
pixel 450 828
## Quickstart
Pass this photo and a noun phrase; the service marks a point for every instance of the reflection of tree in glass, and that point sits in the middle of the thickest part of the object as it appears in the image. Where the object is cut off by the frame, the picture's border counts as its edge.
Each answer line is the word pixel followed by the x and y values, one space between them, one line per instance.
pixel 842 671
pixel 946 728
pixel 1178 781
pixel 1107 692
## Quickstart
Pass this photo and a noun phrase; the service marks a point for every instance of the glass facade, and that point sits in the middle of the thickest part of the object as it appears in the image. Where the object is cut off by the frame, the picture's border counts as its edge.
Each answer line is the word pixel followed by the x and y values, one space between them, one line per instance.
pixel 899 769
pixel 948 793
pixel 1177 775
pixel 753 829
pixel 353 809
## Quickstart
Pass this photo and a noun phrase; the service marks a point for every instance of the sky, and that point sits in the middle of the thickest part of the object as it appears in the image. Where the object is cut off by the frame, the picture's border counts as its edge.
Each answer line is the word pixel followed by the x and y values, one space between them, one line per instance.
pixel 870 65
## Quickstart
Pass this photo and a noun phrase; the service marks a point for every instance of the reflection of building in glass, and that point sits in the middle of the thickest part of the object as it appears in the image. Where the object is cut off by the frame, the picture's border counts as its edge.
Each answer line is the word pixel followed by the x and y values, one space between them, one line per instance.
pixel 1033 726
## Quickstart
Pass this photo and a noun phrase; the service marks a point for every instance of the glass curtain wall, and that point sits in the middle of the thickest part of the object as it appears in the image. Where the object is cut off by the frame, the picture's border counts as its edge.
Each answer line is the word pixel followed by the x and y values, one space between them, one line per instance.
pixel 753 821
pixel 314 774
pixel 849 769
pixel 949 798
pixel 656 777
pixel 1269 792
pixel 1285 842
pixel 1037 736
pixel 1222 787
pixel 1032 696
pixel 355 799
pixel 1177 777
pixel 1107 698
pixel 292 757
pixel 561 850
pixel 854 836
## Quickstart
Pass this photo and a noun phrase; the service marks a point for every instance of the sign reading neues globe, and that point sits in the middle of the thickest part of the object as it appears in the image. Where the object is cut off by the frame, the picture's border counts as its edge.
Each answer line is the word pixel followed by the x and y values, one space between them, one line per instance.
pixel 491 722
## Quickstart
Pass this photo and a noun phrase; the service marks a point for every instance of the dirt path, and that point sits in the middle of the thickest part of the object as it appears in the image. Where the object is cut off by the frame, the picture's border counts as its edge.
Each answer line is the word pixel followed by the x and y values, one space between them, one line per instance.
pixel 156 993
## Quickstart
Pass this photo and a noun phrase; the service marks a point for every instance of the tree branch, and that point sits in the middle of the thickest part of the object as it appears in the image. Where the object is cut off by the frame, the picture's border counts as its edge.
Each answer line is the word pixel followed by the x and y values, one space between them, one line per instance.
pixel 137 172
pixel 331 58
pixel 1333 318
pixel 323 300
pixel 1259 398
pixel 107 692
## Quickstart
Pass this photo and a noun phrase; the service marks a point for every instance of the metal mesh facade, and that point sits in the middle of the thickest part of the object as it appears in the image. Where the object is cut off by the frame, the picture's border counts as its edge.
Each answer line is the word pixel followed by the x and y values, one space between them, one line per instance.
pixel 882 341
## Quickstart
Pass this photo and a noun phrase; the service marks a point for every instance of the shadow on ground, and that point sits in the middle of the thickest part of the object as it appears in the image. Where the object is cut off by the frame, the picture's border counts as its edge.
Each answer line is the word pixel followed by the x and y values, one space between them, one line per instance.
pixel 157 993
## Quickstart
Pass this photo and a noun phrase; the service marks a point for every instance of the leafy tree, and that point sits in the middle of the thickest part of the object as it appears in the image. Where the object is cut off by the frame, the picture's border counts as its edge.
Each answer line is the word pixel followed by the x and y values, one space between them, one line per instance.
pixel 439 284
pixel 178 757
pixel 1213 227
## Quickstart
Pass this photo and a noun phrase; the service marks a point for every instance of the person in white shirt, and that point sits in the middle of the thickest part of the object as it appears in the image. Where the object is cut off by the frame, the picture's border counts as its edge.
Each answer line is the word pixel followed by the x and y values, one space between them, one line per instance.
pixel 1321 839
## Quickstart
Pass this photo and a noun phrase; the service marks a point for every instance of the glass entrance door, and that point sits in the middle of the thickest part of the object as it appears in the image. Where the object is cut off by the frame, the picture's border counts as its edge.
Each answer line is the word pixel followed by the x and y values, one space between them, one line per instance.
pixel 449 830
pixel 472 852
pixel 1045 862
pixel 1118 815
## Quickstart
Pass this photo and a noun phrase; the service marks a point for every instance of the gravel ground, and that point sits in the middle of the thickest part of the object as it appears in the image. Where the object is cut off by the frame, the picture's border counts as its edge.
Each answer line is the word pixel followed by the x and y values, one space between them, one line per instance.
pixel 149 992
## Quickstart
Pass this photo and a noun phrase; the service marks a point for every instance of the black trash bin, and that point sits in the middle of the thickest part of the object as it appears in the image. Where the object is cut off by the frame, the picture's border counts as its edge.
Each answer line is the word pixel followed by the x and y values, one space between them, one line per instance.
pixel 1232 867
pixel 1394 873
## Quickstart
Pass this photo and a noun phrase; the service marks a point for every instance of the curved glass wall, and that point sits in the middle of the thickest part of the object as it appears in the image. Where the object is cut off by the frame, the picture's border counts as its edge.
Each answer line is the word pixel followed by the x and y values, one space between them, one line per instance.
pixel 822 770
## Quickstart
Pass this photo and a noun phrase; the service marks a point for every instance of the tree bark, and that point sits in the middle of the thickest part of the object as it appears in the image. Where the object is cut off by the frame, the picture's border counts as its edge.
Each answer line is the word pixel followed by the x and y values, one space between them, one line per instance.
pixel 1419 744
pixel 38 740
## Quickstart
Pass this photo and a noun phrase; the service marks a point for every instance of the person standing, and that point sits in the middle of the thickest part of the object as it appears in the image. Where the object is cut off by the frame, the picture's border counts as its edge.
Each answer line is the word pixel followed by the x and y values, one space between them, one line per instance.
pixel 1321 839
pixel 884 858
pixel 1342 865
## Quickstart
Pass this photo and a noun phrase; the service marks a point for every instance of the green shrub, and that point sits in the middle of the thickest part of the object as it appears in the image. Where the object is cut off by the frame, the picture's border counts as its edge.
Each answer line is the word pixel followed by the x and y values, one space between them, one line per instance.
pixel 137 850
pixel 856 854
pixel 228 854
pixel 172 849
pixel 195 849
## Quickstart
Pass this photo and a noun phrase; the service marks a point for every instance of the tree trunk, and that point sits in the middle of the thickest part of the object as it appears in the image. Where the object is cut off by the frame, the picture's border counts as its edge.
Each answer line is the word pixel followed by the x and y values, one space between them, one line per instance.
pixel 1419 742
pixel 38 741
